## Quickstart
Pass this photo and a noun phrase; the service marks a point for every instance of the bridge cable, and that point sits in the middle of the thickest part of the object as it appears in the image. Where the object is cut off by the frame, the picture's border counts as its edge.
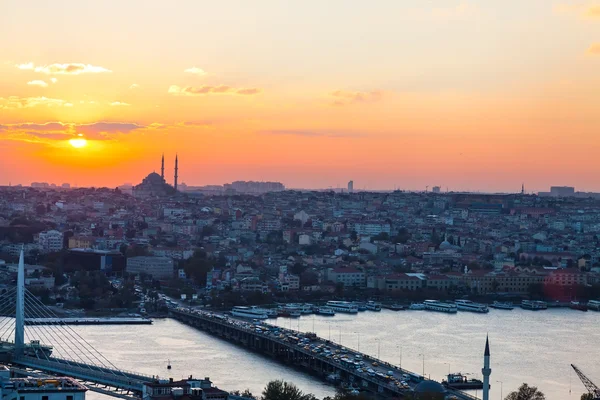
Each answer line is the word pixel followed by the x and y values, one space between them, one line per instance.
pixel 70 331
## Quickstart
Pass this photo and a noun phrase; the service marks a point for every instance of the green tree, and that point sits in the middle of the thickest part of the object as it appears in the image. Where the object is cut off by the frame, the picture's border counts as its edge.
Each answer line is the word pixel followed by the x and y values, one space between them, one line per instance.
pixel 587 396
pixel 281 390
pixel 526 392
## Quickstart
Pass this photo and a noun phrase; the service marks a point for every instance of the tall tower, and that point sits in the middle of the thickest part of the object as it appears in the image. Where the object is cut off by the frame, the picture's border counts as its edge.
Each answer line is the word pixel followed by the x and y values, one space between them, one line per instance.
pixel 486 370
pixel 176 167
pixel 20 306
pixel 162 167
pixel 523 188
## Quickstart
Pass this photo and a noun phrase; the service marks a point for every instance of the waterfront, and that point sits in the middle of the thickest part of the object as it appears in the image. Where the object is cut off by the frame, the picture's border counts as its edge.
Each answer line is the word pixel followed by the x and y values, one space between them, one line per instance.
pixel 526 346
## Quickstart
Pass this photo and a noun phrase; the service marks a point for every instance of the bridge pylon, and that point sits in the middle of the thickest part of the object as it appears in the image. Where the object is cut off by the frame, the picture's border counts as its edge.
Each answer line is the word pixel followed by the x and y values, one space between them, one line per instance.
pixel 20 308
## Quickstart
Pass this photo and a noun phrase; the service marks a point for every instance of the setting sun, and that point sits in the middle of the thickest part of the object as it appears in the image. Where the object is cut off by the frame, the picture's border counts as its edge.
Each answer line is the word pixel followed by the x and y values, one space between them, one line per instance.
pixel 78 143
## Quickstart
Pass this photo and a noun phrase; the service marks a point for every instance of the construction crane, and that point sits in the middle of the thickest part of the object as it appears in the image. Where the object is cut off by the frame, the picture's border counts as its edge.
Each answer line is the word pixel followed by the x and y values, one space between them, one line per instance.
pixel 589 385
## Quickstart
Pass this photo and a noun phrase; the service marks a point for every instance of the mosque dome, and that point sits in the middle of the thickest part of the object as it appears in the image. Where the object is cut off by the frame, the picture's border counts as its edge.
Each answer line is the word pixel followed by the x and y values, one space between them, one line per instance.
pixel 429 390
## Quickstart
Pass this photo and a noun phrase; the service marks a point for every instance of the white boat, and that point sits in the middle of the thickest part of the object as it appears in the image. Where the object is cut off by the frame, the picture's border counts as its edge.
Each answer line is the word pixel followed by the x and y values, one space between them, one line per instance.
pixel 416 306
pixel 343 306
pixel 249 312
pixel 468 305
pixel 271 313
pixel 328 311
pixel 435 305
pixel 361 306
pixel 373 306
pixel 594 305
pixel 301 308
pixel 502 306
pixel 295 314
pixel 534 305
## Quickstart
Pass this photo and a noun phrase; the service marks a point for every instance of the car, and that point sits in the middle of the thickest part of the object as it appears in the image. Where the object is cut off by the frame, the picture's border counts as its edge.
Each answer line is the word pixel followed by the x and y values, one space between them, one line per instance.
pixel 375 363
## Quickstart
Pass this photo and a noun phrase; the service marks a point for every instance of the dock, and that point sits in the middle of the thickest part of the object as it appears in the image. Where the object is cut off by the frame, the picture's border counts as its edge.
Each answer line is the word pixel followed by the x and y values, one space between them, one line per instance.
pixel 89 321
pixel 290 347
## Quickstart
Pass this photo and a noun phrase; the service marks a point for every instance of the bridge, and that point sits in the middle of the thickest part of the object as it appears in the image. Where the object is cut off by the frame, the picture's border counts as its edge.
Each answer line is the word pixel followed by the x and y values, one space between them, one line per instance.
pixel 282 344
pixel 57 349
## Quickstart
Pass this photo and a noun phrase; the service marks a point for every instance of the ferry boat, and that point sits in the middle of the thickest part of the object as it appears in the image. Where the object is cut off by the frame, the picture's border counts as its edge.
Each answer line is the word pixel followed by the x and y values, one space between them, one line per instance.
pixel 360 306
pixel 534 305
pixel 576 305
pixel 249 312
pixel 416 306
pixel 461 382
pixel 373 306
pixel 396 307
pixel 502 306
pixel 594 305
pixel 327 311
pixel 343 306
pixel 301 308
pixel 468 305
pixel 435 305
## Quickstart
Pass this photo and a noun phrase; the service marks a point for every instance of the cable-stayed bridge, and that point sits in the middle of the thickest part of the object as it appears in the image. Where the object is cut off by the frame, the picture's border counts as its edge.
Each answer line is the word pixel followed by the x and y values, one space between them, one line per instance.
pixel 56 348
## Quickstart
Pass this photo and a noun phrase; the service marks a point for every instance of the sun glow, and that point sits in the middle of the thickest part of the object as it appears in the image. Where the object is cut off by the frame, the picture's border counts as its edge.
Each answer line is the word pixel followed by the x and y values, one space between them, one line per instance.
pixel 78 143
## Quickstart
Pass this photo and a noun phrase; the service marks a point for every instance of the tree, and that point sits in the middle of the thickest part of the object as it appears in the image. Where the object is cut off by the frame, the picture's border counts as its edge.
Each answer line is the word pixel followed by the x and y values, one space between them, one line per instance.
pixel 526 392
pixel 587 396
pixel 281 390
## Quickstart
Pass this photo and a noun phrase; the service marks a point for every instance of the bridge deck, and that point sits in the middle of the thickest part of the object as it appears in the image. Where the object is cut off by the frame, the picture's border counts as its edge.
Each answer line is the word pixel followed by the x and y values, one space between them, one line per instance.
pixel 215 319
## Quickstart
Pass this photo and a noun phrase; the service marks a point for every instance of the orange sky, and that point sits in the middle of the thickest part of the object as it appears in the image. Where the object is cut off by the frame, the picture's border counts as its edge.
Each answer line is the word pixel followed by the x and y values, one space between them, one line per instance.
pixel 468 95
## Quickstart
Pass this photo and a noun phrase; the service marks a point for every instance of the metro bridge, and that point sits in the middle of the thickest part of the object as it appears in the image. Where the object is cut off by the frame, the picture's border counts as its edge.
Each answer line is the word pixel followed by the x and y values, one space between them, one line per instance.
pixel 57 349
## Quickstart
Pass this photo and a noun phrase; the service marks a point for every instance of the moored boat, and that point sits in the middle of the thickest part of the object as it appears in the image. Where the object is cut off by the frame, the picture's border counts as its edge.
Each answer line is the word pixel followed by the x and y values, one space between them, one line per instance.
pixel 416 306
pixel 502 305
pixel 327 311
pixel 594 305
pixel 343 306
pixel 373 306
pixel 577 305
pixel 249 312
pixel 435 305
pixel 461 382
pixel 468 305
pixel 534 305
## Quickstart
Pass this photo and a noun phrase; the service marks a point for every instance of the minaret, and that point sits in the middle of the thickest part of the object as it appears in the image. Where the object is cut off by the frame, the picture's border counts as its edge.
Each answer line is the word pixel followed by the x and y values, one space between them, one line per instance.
pixel 162 167
pixel 176 163
pixel 486 371
pixel 20 307
pixel 523 188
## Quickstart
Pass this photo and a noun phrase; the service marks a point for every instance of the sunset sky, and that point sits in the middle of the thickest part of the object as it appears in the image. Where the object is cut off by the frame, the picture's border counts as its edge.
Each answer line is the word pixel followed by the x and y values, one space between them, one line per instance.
pixel 470 95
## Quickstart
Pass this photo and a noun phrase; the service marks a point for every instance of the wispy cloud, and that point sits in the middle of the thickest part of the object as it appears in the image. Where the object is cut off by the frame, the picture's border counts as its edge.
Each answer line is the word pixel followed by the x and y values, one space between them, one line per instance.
pixel 64 69
pixel 313 133
pixel 53 80
pixel 119 104
pixel 134 86
pixel 593 11
pixel 586 9
pixel 37 83
pixel 196 71
pixel 15 102
pixel 344 97
pixel 204 90
pixel 594 49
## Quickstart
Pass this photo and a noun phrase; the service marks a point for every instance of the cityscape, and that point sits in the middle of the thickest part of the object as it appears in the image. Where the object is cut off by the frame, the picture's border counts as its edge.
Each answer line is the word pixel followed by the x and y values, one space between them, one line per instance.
pixel 310 200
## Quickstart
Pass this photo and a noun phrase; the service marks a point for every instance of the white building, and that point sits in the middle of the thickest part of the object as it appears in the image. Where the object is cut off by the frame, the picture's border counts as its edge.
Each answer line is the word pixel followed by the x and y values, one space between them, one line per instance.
pixel 347 276
pixel 39 388
pixel 301 216
pixel 158 267
pixel 50 241
pixel 372 228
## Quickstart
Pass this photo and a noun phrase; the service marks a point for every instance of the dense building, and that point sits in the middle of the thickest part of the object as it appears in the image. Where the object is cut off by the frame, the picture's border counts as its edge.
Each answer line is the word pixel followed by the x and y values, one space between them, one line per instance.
pixel 55 388
pixel 107 261
pixel 347 276
pixel 50 241
pixel 158 267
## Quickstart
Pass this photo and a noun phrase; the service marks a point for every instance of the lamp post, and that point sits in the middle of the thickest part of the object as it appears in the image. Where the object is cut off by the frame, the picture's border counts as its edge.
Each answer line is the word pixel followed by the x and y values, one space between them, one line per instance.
pixel 357 340
pixel 448 367
pixel 399 357
pixel 423 355
pixel 501 384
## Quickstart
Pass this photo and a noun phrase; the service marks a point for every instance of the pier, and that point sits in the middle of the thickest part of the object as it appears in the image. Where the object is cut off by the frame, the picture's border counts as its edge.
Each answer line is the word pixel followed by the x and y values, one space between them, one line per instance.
pixel 286 346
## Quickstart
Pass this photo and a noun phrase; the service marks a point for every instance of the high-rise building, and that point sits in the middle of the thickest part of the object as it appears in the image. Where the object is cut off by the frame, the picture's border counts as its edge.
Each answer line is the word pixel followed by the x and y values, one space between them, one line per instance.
pixel 562 191
pixel 436 189
pixel 350 186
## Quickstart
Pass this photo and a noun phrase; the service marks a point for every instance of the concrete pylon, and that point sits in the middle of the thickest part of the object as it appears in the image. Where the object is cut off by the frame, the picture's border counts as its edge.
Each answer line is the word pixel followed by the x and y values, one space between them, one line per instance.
pixel 20 308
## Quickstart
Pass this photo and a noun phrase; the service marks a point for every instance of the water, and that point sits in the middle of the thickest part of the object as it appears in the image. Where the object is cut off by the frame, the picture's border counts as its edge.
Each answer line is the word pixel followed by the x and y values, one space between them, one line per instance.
pixel 526 346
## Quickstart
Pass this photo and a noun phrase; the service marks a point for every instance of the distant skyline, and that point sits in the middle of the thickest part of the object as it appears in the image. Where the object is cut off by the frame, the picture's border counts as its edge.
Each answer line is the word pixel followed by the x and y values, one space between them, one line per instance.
pixel 464 94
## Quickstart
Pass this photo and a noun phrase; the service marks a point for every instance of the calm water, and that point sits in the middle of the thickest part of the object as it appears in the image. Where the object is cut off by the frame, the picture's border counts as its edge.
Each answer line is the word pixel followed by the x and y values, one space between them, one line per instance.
pixel 526 346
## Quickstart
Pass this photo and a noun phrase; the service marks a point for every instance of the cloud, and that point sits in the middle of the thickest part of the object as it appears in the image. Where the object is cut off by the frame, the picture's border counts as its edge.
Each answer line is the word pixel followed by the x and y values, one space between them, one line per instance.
pixel 593 12
pixel 50 132
pixel 344 97
pixel 15 102
pixel 53 80
pixel 134 86
pixel 311 133
pixel 119 104
pixel 594 49
pixel 37 83
pixel 195 71
pixel 64 69
pixel 204 90
pixel 589 9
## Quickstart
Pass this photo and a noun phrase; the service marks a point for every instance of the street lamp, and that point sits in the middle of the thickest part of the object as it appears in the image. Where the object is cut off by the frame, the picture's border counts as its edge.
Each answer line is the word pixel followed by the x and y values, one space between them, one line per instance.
pixel 448 367
pixel 423 355
pixel 500 382
pixel 358 340
pixel 399 357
